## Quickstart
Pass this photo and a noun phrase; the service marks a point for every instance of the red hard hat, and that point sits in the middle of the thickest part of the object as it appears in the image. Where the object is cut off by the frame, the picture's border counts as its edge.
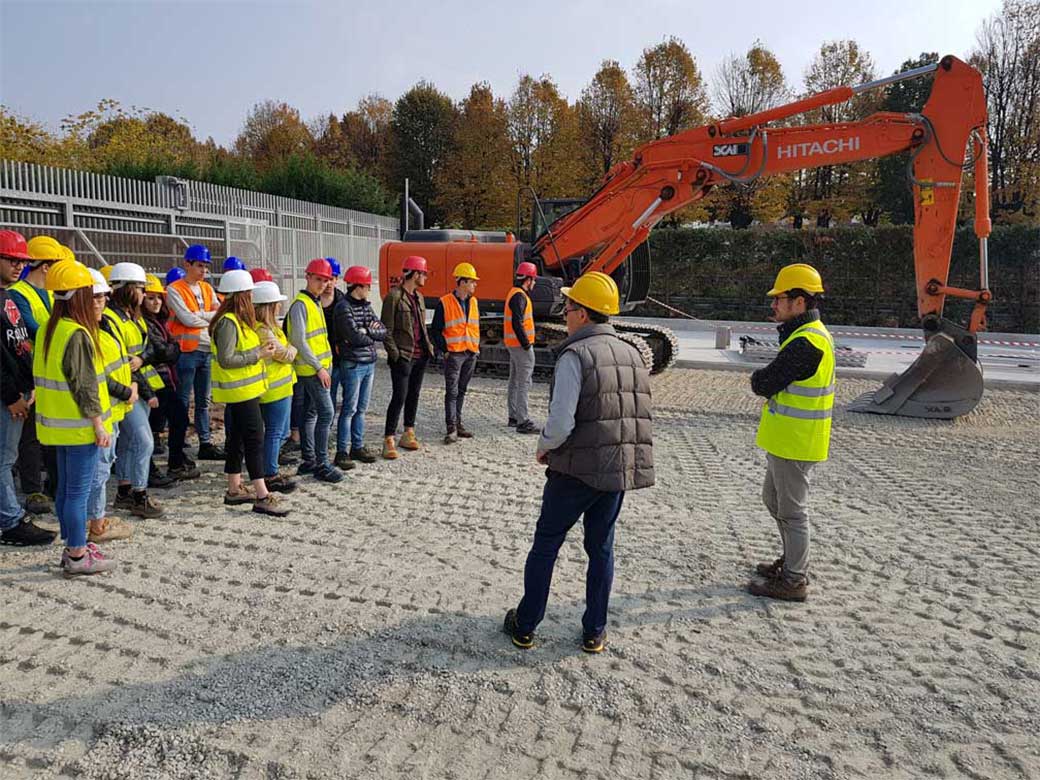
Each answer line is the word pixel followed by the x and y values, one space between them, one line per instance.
pixel 13 245
pixel 260 275
pixel 358 274
pixel 320 267
pixel 415 263
pixel 527 269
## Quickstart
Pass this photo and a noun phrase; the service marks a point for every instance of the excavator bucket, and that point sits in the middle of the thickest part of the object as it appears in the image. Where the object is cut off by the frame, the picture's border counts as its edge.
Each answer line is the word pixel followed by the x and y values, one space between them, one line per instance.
pixel 944 382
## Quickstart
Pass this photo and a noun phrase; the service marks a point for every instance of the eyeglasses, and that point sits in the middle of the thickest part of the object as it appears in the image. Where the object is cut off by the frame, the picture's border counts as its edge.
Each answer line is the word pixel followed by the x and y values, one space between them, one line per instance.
pixel 15 260
pixel 571 309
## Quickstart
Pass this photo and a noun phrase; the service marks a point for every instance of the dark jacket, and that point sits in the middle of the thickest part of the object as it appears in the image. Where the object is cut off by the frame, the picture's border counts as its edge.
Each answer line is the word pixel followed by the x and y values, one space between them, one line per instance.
pixel 437 326
pixel 166 350
pixel 611 446
pixel 796 362
pixel 355 331
pixel 397 317
pixel 15 351
pixel 517 310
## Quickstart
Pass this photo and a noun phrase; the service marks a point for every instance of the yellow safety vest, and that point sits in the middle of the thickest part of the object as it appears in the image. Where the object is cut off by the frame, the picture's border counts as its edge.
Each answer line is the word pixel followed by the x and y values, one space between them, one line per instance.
pixel 235 385
pixel 58 418
pixel 41 311
pixel 796 422
pixel 280 376
pixel 511 339
pixel 117 366
pixel 135 336
pixel 316 337
pixel 461 329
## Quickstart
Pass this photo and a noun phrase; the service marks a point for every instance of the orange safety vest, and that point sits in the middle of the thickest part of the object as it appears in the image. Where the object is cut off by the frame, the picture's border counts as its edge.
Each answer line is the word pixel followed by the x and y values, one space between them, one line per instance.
pixel 510 336
pixel 461 332
pixel 187 337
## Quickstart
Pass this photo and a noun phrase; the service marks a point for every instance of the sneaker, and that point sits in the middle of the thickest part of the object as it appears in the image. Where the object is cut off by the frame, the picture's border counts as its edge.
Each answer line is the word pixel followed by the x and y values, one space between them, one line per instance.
pixel 463 433
pixel 307 467
pixel 280 483
pixel 328 473
pixel 124 501
pixel 146 507
pixel 210 451
pixel 90 563
pixel 343 461
pixel 779 589
pixel 523 641
pixel 770 570
pixel 363 454
pixel 270 505
pixel 389 450
pixel 527 427
pixel 181 473
pixel 92 548
pixel 158 480
pixel 292 445
pixel 451 436
pixel 409 440
pixel 243 495
pixel 512 422
pixel 26 534
pixel 286 458
pixel 108 529
pixel 594 644
pixel 38 504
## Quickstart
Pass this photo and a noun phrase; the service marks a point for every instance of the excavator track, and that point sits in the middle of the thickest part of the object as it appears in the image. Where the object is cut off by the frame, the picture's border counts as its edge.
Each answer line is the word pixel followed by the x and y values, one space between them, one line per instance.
pixel 663 343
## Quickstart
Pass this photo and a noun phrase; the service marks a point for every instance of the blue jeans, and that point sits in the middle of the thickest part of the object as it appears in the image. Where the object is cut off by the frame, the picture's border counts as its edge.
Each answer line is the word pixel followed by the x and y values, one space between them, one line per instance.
pixel 134 450
pixel 338 373
pixel 98 488
pixel 276 431
pixel 77 465
pixel 564 500
pixel 357 389
pixel 193 372
pixel 317 420
pixel 10 435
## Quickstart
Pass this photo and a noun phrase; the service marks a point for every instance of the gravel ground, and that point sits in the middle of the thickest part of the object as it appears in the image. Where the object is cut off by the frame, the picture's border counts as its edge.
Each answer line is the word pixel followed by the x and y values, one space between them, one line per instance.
pixel 360 637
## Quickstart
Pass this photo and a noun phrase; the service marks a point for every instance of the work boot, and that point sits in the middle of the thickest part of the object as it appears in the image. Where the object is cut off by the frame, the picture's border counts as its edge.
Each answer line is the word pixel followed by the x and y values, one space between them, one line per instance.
pixel 451 436
pixel 291 445
pixel 210 451
pixel 243 495
pixel 362 454
pixel 124 498
pixel 307 467
pixel 463 433
pixel 108 529
pixel 389 450
pixel 144 506
pixel 158 480
pixel 523 641
pixel 329 473
pixel 527 427
pixel 512 422
pixel 38 504
pixel 343 461
pixel 158 448
pixel 26 534
pixel 280 483
pixel 270 505
pixel 408 440
pixel 771 570
pixel 779 589
pixel 92 562
pixel 184 472
pixel 286 458
pixel 594 643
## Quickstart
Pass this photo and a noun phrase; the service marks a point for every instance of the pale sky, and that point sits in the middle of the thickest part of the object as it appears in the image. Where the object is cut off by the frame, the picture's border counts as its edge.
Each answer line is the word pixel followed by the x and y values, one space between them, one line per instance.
pixel 210 62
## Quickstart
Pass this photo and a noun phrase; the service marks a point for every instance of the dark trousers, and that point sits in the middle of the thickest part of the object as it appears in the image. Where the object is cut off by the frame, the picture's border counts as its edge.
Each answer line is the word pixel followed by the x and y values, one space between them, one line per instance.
pixel 296 415
pixel 245 437
pixel 171 409
pixel 406 377
pixel 33 458
pixel 564 500
pixel 458 370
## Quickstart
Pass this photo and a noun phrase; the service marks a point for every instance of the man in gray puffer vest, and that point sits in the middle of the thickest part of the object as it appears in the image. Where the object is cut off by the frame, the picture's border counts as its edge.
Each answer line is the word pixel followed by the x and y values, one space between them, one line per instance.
pixel 597 444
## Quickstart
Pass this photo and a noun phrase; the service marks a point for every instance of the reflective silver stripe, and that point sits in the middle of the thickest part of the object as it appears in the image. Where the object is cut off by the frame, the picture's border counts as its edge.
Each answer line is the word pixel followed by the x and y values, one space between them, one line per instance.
pixel 317 332
pixel 58 422
pixel 818 332
pixel 323 355
pixel 801 414
pixel 52 384
pixel 249 380
pixel 285 380
pixel 459 339
pixel 809 392
pixel 114 366
pixel 453 323
pixel 190 336
pixel 137 349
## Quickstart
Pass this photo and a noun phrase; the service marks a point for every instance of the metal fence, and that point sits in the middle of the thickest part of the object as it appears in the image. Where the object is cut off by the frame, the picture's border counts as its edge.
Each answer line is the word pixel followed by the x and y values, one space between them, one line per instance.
pixel 107 219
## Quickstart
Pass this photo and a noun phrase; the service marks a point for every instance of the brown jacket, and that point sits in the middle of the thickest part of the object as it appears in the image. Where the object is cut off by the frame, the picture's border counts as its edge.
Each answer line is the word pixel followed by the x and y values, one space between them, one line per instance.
pixel 397 316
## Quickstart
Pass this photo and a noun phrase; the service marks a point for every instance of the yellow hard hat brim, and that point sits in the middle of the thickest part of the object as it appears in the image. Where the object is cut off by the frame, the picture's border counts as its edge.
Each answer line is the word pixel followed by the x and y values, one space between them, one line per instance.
pixel 566 293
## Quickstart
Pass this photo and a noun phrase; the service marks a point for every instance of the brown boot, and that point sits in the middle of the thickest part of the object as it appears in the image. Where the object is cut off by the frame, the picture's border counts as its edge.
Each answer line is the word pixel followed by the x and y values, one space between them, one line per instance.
pixel 408 440
pixel 462 431
pixel 389 450
pixel 771 570
pixel 779 589
pixel 108 529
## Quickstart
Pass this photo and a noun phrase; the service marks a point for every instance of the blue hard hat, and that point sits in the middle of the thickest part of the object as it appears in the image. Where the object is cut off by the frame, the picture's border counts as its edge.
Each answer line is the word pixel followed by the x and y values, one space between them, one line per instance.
pixel 174 275
pixel 197 253
pixel 234 264
pixel 336 270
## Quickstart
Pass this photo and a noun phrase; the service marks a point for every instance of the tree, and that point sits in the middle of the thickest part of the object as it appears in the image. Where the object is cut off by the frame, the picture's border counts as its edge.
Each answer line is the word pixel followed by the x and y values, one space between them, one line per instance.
pixel 272 133
pixel 365 134
pixel 475 182
pixel 24 140
pixel 303 175
pixel 669 90
pixel 422 129
pixel 606 122
pixel 1008 55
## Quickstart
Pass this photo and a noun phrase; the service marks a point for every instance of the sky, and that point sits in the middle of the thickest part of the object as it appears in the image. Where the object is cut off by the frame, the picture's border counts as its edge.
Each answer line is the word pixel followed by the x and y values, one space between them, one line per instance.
pixel 209 62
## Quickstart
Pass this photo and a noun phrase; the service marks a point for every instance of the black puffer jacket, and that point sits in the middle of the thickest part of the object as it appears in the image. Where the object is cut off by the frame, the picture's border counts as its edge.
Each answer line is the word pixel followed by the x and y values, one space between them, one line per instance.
pixel 166 350
pixel 356 330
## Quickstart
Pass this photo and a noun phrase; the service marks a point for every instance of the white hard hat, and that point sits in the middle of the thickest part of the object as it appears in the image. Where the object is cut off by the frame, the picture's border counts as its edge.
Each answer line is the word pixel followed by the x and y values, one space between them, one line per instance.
pixel 100 285
pixel 235 281
pixel 267 292
pixel 122 273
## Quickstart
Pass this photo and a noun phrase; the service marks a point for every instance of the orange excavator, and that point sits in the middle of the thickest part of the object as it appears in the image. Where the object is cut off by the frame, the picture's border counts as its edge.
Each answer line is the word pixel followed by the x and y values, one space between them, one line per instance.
pixel 608 231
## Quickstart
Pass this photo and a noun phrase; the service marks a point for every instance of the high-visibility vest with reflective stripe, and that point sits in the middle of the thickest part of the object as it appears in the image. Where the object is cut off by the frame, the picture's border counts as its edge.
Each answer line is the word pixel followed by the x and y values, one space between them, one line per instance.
pixel 188 338
pixel 58 418
pixel 41 310
pixel 116 365
pixel 316 337
pixel 510 336
pixel 135 336
pixel 461 329
pixel 235 385
pixel 280 376
pixel 796 422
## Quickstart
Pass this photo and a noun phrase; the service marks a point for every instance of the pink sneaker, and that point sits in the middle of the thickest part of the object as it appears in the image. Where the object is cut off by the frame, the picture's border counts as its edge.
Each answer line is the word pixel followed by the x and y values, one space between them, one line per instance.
pixel 91 563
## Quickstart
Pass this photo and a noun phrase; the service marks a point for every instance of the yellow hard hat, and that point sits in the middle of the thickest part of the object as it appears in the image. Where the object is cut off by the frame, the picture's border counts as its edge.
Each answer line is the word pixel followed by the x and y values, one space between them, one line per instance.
pixel 45 248
pixel 797 276
pixel 154 285
pixel 67 254
pixel 465 271
pixel 68 275
pixel 595 290
pixel 106 271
